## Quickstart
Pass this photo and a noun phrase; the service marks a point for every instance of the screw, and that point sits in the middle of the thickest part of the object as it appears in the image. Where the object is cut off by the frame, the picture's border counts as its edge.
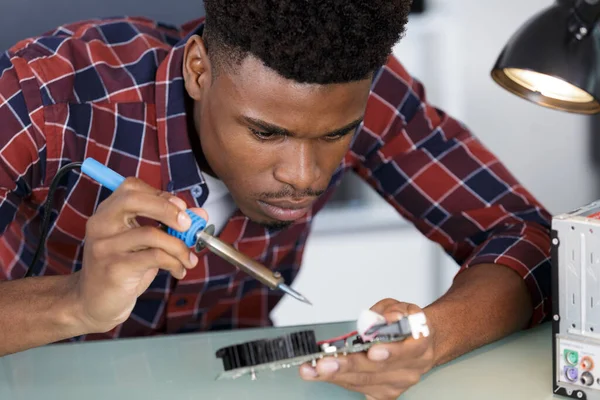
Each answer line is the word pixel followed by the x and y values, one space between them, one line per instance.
pixel 556 317
pixel 555 241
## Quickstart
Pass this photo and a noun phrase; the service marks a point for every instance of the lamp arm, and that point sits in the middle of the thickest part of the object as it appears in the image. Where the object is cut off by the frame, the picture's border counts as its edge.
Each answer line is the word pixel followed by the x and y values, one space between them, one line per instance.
pixel 586 14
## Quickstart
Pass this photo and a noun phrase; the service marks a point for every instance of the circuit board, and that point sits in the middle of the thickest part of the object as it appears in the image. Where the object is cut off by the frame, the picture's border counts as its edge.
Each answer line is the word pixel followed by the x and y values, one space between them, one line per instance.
pixel 301 347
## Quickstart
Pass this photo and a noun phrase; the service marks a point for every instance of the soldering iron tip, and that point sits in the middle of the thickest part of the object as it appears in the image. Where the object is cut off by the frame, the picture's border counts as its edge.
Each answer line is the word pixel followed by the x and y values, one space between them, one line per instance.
pixel 293 293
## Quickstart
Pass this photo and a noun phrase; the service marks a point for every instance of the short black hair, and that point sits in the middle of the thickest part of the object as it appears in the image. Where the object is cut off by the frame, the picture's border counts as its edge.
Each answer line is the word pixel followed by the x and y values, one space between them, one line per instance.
pixel 308 41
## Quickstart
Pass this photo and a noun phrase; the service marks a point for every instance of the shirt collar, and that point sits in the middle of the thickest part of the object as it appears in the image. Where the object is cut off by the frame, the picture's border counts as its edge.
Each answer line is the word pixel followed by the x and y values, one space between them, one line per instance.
pixel 179 168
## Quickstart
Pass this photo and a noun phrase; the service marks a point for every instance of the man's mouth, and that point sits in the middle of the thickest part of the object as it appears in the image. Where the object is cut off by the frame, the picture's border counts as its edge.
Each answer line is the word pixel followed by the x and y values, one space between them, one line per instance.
pixel 285 210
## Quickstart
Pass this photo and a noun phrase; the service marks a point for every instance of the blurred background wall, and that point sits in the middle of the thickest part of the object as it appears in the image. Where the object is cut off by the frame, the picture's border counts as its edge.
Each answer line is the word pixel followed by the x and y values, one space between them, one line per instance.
pixel 361 251
pixel 23 18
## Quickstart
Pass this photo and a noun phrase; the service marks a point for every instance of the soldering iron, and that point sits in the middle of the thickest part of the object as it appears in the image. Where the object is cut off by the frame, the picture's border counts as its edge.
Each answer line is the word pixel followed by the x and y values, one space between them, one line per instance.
pixel 198 236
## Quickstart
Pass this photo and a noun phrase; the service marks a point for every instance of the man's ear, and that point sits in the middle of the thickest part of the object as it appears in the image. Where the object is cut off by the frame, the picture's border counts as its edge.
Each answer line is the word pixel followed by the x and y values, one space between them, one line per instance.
pixel 196 67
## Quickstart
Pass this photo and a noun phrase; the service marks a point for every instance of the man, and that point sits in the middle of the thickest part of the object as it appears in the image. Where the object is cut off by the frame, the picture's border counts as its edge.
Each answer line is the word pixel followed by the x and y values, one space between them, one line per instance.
pixel 251 118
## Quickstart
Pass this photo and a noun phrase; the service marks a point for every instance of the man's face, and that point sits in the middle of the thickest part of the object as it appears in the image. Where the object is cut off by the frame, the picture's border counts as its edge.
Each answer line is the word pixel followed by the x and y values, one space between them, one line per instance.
pixel 273 142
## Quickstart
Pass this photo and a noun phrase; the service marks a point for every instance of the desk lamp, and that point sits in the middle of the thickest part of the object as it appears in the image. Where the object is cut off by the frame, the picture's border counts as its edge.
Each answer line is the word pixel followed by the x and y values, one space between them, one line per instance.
pixel 553 60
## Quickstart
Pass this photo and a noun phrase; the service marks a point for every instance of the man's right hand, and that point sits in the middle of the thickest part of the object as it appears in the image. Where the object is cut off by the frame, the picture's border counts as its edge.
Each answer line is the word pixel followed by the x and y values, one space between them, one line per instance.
pixel 121 258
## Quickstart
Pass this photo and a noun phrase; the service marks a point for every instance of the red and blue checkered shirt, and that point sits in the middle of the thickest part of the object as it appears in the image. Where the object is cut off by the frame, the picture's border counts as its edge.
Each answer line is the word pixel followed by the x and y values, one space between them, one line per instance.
pixel 112 89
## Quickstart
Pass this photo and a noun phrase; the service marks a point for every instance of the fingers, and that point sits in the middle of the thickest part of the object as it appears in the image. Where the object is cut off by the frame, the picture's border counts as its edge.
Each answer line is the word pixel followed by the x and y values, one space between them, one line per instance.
pixel 156 207
pixel 377 359
pixel 382 356
pixel 395 311
pixel 133 184
pixel 114 231
pixel 382 305
pixel 148 259
pixel 200 212
pixel 136 199
pixel 329 367
pixel 144 238
pixel 359 379
pixel 385 370
pixel 398 353
pixel 392 310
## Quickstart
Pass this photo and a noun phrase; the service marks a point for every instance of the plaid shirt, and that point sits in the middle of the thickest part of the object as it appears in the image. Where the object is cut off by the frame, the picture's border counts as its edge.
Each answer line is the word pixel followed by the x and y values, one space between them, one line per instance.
pixel 112 89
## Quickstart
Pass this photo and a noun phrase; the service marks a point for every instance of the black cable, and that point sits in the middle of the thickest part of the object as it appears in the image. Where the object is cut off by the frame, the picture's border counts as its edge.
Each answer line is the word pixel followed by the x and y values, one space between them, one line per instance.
pixel 47 211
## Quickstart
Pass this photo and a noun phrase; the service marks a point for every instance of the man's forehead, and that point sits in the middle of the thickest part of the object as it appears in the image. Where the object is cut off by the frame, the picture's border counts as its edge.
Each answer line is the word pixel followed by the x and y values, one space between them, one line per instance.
pixel 253 85
pixel 251 73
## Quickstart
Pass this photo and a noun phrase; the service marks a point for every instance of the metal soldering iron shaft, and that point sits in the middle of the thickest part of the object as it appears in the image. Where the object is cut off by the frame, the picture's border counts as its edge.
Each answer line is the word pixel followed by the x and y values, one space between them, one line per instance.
pixel 285 288
pixel 273 280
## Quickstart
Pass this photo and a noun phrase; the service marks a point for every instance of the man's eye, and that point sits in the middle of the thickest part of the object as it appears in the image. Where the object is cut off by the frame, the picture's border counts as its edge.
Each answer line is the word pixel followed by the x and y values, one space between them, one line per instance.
pixel 261 135
pixel 337 136
pixel 334 137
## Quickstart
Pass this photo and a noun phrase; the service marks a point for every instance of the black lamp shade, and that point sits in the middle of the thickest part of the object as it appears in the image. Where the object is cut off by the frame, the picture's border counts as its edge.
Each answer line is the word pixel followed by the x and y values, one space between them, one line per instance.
pixel 544 51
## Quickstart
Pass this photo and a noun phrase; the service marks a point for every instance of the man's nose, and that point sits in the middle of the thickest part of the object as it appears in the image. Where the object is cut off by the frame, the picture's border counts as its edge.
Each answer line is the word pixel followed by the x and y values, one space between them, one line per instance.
pixel 298 166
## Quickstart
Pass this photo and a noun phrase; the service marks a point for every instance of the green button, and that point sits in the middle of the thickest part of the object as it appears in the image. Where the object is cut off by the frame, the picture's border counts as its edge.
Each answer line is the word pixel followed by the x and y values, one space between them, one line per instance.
pixel 571 357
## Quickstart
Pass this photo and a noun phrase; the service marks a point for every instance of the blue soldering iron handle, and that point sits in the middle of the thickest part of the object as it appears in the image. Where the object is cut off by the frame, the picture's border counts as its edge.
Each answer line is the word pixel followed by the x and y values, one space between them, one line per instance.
pixel 111 180
pixel 101 174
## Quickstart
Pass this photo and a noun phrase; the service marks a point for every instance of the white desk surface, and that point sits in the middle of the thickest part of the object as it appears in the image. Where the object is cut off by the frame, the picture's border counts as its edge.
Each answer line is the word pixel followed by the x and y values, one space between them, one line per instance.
pixel 184 367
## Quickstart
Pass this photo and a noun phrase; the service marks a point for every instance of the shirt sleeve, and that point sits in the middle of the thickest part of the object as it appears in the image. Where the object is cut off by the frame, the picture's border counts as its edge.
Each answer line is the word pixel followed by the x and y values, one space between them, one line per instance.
pixel 437 175
pixel 22 145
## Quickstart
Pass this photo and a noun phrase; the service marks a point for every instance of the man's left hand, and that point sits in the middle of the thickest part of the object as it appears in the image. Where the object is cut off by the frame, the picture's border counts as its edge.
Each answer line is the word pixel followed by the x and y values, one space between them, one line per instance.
pixel 384 372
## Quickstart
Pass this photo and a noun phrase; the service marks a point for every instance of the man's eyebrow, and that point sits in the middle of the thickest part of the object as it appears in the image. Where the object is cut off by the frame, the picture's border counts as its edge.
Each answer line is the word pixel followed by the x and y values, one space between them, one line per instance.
pixel 277 130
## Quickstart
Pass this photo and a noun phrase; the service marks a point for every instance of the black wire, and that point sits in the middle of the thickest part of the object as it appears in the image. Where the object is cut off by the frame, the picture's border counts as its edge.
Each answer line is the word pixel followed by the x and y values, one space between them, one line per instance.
pixel 47 211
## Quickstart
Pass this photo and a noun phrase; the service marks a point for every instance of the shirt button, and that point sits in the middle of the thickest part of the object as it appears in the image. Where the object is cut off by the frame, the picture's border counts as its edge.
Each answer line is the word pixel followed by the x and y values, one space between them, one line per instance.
pixel 196 191
pixel 181 302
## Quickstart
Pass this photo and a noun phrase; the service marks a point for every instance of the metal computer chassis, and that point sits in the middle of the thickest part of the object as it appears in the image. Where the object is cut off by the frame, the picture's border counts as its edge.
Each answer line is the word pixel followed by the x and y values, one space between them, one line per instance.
pixel 576 303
